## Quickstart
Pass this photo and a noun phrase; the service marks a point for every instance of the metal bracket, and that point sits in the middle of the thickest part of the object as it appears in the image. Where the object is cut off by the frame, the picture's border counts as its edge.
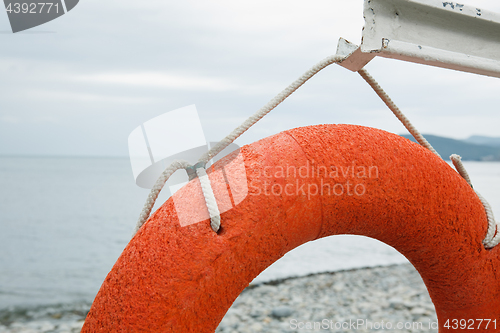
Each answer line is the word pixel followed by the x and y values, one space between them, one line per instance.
pixel 431 32
pixel 355 59
pixel 191 170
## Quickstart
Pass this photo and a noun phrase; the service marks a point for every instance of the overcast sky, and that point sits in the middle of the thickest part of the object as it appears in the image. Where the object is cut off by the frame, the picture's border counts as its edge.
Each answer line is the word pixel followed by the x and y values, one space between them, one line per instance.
pixel 80 84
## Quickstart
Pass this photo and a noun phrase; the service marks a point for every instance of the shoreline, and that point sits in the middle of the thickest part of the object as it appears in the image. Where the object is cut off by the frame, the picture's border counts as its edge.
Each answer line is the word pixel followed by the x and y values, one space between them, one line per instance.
pixel 342 301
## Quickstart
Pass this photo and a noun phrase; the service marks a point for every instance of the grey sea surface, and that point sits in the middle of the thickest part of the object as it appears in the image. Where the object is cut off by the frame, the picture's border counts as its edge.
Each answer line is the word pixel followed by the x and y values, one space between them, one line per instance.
pixel 65 221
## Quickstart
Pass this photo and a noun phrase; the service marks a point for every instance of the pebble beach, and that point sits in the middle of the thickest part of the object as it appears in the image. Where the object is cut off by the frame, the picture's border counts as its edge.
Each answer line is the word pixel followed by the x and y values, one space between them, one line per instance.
pixel 391 298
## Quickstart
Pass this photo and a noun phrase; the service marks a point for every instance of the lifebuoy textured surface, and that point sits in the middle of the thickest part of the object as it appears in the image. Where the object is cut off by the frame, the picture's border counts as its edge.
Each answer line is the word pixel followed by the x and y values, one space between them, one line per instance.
pixel 304 184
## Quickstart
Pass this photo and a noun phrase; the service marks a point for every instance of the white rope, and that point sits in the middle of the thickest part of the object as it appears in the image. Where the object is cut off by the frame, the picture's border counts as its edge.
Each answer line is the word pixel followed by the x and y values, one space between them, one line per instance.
pixel 397 112
pixel 457 162
pixel 206 188
pixel 204 180
pixel 210 200
pixel 269 106
pixel 491 240
pixel 153 195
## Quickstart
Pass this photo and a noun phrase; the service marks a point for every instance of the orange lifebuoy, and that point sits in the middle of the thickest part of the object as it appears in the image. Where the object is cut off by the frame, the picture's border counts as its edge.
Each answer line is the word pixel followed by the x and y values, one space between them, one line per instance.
pixel 174 278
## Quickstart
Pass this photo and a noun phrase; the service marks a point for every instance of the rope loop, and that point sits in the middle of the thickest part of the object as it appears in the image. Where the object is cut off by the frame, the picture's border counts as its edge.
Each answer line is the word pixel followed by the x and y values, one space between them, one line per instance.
pixel 198 170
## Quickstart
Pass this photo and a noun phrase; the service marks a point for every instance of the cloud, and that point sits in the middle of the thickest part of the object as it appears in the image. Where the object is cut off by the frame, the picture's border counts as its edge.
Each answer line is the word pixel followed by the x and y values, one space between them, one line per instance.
pixel 118 63
pixel 10 119
pixel 161 80
pixel 184 82
pixel 23 119
pixel 72 96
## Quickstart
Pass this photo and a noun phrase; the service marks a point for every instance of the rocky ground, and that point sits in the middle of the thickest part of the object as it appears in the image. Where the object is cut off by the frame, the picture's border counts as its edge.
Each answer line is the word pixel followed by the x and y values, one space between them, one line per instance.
pixel 57 318
pixel 390 298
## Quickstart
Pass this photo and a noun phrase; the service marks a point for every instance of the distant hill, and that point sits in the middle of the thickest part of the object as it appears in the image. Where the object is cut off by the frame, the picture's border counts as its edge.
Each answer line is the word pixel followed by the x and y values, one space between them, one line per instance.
pixel 468 150
pixel 484 140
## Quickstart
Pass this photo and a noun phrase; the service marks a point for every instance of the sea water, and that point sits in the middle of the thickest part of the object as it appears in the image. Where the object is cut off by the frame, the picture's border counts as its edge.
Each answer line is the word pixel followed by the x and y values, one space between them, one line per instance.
pixel 65 221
